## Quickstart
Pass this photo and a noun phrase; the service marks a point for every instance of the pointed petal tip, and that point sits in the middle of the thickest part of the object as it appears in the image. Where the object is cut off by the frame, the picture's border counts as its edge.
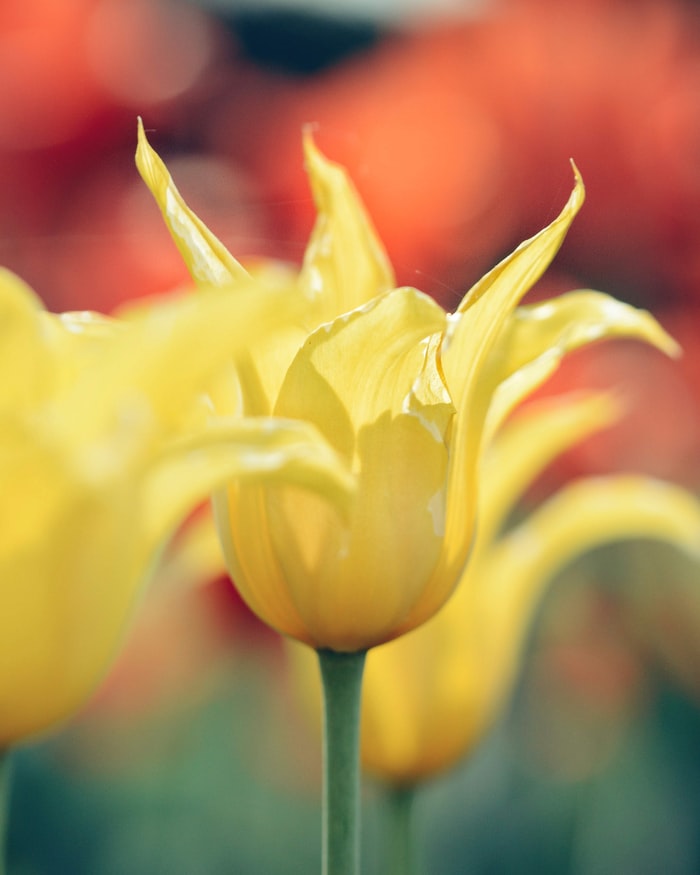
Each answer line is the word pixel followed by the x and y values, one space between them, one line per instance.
pixel 578 195
pixel 312 154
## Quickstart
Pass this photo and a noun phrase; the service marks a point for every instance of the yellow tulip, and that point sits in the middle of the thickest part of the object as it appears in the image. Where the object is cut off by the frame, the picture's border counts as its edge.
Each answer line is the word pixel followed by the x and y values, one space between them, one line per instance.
pixel 101 456
pixel 430 696
pixel 405 393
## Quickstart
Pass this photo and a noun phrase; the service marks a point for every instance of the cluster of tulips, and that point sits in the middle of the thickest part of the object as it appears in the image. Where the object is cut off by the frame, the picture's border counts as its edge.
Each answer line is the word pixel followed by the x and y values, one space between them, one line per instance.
pixel 363 450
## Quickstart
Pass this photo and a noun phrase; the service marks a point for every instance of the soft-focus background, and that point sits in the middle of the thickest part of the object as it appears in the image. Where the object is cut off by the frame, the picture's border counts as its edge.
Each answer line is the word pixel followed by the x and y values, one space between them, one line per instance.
pixel 457 120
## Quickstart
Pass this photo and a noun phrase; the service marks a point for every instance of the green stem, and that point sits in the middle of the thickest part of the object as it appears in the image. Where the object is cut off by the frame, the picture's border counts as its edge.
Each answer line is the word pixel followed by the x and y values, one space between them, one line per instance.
pixel 401 851
pixel 4 806
pixel 341 674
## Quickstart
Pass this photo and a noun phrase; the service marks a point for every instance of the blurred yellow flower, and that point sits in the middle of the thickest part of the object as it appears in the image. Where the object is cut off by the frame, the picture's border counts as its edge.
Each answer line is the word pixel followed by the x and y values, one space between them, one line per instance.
pixel 101 455
pixel 430 696
pixel 405 394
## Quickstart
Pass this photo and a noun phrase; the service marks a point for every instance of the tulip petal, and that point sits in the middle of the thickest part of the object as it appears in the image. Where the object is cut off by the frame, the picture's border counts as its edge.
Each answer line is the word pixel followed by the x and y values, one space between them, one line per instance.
pixel 24 359
pixel 580 517
pixel 573 320
pixel 390 542
pixel 206 257
pixel 167 354
pixel 472 334
pixel 270 451
pixel 370 357
pixel 345 264
pixel 536 337
pixel 529 443
pixel 70 575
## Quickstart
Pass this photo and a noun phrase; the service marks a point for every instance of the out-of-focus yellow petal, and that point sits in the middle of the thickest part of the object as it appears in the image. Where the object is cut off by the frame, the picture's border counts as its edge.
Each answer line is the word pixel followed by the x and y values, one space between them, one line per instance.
pixel 207 258
pixel 530 442
pixel 266 450
pixel 69 579
pixel 581 516
pixel 24 362
pixel 171 351
pixel 345 264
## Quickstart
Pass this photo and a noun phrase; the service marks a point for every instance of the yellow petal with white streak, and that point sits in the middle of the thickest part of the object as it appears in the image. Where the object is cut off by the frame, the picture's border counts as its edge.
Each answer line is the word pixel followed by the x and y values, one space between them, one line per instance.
pixel 206 257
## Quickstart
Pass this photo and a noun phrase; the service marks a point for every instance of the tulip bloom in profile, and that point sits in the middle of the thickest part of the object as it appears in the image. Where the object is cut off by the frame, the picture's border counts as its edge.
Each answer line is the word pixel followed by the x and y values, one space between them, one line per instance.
pixel 403 392
pixel 430 696
pixel 101 456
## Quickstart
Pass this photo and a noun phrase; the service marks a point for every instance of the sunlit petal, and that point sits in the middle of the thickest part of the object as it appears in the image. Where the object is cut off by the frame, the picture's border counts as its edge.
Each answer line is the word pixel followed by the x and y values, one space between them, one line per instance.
pixel 468 344
pixel 345 264
pixel 206 257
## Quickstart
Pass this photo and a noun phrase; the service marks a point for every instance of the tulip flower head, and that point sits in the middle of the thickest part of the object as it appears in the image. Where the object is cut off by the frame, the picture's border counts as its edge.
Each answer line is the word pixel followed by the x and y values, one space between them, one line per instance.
pixel 99 461
pixel 404 393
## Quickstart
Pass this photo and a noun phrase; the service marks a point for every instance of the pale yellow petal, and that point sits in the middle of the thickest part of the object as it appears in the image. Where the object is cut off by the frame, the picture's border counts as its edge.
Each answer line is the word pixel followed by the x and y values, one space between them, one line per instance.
pixel 206 257
pixel 353 584
pixel 345 264
pixel 573 320
pixel 154 370
pixel 25 368
pixel 535 338
pixel 70 576
pixel 530 442
pixel 353 380
pixel 268 451
pixel 582 516
pixel 362 365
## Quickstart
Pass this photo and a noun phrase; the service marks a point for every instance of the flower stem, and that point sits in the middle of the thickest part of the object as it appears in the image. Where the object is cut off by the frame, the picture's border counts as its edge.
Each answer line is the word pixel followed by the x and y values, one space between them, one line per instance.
pixel 4 806
pixel 401 850
pixel 341 674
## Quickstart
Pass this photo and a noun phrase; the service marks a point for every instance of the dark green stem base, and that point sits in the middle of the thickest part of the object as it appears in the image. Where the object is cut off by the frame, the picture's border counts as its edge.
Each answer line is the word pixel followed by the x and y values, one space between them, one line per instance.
pixel 341 674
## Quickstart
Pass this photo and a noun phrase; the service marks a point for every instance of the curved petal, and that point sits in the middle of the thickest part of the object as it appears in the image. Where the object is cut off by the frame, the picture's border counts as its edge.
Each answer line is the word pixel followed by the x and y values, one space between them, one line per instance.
pixel 471 336
pixel 270 451
pixel 583 515
pixel 570 321
pixel 536 337
pixel 206 257
pixel 345 264
pixel 362 365
pixel 529 443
